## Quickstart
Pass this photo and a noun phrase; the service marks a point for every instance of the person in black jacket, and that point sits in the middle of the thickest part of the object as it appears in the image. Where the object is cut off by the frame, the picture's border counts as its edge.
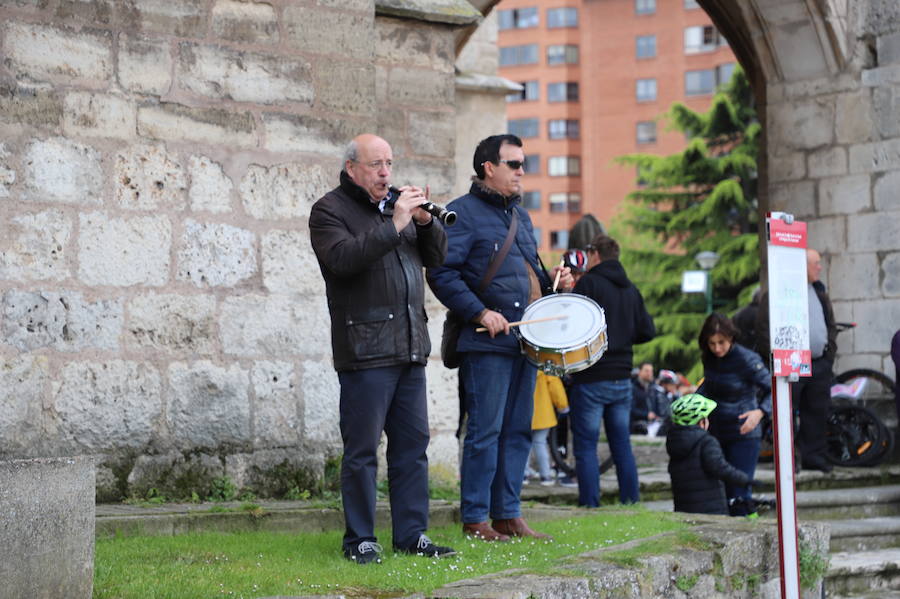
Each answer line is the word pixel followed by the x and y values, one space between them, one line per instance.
pixel 371 242
pixel 603 391
pixel 697 465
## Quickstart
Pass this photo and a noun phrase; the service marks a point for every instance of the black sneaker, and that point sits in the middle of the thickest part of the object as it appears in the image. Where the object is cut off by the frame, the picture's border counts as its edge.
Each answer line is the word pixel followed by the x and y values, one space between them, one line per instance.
pixel 364 553
pixel 426 548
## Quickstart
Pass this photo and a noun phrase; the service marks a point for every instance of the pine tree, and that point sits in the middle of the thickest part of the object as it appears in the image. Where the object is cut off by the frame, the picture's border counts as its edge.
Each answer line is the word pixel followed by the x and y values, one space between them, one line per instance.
pixel 703 198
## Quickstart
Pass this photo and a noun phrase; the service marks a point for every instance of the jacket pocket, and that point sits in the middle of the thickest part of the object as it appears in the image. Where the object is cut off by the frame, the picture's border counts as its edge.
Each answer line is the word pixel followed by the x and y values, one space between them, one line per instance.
pixel 369 333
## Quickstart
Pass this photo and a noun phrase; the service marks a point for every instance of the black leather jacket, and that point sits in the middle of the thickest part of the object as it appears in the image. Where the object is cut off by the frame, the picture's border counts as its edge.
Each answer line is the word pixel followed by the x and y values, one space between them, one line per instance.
pixel 373 279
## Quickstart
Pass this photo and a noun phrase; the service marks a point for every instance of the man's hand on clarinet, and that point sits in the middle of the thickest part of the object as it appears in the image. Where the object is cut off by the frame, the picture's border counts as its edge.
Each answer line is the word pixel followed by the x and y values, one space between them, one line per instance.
pixel 494 322
pixel 407 207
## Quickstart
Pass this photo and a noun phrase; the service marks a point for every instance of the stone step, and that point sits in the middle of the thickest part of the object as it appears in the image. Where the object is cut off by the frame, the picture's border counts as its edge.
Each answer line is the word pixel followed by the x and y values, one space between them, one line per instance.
pixel 864 534
pixel 876 573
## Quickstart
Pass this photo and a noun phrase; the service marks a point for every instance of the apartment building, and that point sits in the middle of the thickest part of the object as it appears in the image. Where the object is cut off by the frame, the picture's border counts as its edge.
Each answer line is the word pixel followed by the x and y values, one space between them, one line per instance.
pixel 597 75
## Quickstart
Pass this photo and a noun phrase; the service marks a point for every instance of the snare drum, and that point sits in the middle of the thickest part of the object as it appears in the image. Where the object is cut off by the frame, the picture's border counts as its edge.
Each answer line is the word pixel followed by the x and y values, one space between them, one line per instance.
pixel 566 345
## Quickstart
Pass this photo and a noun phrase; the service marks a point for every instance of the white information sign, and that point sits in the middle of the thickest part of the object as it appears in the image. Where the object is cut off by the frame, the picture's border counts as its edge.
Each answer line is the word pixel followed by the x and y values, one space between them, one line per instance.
pixel 693 281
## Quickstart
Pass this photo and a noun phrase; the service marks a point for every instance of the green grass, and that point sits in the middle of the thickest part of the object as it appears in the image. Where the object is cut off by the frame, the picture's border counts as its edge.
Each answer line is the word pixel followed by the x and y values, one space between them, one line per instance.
pixel 261 563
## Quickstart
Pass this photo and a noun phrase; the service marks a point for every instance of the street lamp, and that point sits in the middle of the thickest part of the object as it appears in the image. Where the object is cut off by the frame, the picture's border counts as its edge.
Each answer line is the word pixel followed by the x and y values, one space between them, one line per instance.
pixel 707 260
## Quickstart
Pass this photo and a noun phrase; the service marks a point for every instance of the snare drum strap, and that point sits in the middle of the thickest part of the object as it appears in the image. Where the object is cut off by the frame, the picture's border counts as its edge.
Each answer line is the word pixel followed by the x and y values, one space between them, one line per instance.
pixel 494 266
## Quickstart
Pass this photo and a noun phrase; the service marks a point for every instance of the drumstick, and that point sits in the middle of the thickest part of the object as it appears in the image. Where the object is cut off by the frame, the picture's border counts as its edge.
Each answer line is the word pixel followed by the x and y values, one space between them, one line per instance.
pixel 533 320
pixel 562 263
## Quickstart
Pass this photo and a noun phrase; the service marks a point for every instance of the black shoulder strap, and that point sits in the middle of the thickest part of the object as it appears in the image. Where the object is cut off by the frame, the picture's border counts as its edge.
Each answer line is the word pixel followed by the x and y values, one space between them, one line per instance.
pixel 494 266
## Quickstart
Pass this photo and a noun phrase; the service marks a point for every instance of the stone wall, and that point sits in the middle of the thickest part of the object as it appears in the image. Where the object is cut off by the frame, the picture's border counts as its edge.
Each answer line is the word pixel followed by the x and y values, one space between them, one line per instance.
pixel 161 304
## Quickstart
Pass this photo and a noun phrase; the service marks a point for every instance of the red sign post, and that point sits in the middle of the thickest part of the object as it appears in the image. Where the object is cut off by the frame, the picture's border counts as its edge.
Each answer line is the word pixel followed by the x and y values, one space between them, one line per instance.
pixel 790 359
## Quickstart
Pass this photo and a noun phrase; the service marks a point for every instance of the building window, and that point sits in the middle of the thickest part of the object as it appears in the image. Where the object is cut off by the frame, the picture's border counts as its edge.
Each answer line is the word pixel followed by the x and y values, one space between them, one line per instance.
pixel 644 7
pixel 523 128
pixel 530 91
pixel 518 18
pixel 690 4
pixel 532 164
pixel 564 202
pixel 566 91
pixel 531 200
pixel 646 46
pixel 698 83
pixel 564 166
pixel 701 38
pixel 515 55
pixel 724 73
pixel 562 17
pixel 537 236
pixel 559 240
pixel 646 132
pixel 563 129
pixel 562 54
pixel 646 90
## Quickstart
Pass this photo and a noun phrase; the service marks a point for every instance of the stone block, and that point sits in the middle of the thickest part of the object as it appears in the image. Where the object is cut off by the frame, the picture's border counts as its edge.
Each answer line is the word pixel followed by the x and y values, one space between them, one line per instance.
pixel 214 126
pixel 854 118
pixel 888 47
pixel 123 252
pixel 443 457
pixel 108 486
pixel 885 104
pixel 321 401
pixel 185 18
pixel 886 195
pixel 58 170
pixel 873 232
pixel 7 174
pixel 247 22
pixel 277 405
pixel 216 255
pixel 432 133
pixel 210 188
pixel 172 323
pixel 391 125
pixel 853 276
pixel 347 4
pixel 801 125
pixel 24 383
pixel 845 195
pixel 99 115
pixel 442 387
pixel 257 326
pixel 798 47
pixel 828 234
pixel 30 105
pixel 872 334
pixel 284 191
pixel 289 265
pixel 439 175
pixel 351 93
pixel 64 321
pixel 174 475
pixel 48 527
pixel 272 472
pixel 421 88
pixel 324 31
pixel 42 53
pixel 149 178
pixel 875 157
pixel 407 43
pixel 796 197
pixel 145 65
pixel 890 266
pixel 309 134
pixel 209 405
pixel 108 13
pixel 35 247
pixel 828 162
pixel 100 406
pixel 225 73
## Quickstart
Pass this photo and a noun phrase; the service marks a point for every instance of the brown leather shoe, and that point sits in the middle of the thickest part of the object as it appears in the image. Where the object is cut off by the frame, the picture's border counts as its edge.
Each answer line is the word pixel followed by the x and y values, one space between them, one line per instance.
pixel 517 527
pixel 483 531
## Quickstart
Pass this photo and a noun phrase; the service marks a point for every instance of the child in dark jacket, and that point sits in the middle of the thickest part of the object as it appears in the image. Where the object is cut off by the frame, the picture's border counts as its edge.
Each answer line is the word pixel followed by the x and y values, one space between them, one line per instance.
pixel 697 466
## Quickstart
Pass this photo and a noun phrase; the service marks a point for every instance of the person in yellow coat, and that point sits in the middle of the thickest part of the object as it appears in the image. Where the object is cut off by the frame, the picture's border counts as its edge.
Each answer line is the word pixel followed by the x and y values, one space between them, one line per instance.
pixel 549 398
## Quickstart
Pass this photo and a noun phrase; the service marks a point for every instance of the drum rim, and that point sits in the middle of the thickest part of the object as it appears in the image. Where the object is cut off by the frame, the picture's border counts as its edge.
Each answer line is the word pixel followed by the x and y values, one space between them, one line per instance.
pixel 584 339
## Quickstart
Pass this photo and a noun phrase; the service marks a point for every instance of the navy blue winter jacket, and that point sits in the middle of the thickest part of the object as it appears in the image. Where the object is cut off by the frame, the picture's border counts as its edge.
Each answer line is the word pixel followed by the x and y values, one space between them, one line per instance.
pixel 738 382
pixel 483 218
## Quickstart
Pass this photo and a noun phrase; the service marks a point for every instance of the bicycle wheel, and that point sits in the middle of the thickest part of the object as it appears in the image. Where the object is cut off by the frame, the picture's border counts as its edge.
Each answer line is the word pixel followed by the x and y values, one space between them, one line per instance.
pixel 874 384
pixel 566 462
pixel 855 436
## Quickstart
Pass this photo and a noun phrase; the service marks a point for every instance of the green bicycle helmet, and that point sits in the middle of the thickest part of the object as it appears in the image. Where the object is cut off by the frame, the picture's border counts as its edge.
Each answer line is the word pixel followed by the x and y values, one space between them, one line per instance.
pixel 690 409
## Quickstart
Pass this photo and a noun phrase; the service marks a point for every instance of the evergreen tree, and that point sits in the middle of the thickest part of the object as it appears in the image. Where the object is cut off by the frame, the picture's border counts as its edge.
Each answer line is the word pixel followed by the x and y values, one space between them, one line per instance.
pixel 703 198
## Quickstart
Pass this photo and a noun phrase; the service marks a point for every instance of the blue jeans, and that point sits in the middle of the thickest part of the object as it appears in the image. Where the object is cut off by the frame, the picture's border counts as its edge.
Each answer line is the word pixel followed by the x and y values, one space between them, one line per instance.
pixel 499 401
pixel 609 401
pixel 743 454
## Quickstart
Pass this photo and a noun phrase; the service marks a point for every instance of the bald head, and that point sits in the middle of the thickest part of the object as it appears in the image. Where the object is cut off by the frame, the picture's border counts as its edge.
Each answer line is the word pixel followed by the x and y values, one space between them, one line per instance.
pixel 813 265
pixel 368 161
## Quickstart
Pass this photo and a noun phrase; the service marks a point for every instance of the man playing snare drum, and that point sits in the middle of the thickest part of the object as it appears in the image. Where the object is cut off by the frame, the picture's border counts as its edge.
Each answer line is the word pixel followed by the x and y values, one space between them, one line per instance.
pixel 497 379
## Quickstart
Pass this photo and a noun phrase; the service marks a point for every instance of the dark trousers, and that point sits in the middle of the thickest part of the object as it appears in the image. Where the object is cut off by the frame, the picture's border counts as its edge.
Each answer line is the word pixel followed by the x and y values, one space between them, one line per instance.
pixel 812 397
pixel 390 399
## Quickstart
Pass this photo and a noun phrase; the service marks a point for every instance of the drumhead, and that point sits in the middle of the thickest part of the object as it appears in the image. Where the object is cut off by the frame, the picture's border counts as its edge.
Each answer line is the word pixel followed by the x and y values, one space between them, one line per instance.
pixel 584 321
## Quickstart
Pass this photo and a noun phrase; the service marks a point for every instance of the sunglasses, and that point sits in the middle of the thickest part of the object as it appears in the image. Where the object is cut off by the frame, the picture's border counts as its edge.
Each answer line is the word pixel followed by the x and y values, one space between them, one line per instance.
pixel 590 248
pixel 514 164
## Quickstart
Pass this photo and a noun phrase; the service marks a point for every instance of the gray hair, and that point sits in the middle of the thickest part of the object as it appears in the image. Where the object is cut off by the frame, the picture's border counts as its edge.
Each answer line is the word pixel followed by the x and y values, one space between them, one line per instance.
pixel 351 153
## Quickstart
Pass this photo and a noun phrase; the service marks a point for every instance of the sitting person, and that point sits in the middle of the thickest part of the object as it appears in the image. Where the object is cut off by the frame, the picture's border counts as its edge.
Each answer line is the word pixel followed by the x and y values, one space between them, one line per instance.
pixel 697 465
pixel 641 387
